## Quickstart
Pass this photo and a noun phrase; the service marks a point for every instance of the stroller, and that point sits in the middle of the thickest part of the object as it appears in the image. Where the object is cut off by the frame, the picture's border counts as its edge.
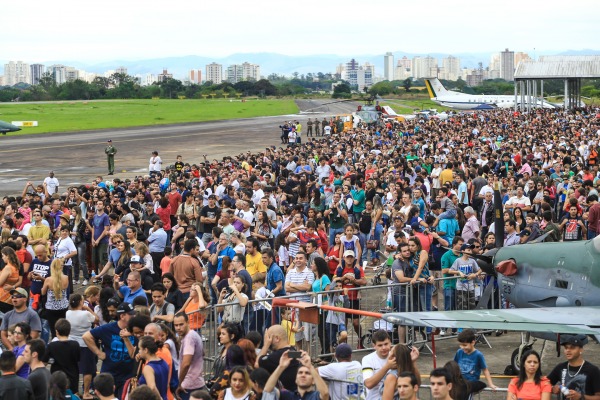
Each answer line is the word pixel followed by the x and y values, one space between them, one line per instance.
pixel 382 268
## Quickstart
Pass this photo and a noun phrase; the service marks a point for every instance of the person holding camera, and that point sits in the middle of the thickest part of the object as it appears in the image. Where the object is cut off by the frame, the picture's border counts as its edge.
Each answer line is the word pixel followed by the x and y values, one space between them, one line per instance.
pixel 232 301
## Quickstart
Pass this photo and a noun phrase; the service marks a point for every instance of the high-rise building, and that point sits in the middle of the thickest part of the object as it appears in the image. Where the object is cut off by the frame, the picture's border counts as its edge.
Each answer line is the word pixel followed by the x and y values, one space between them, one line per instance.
pixel 233 73
pixel 388 66
pixel 507 65
pixel 424 67
pixel 121 70
pixel 214 73
pixel 365 76
pixel 164 76
pixel 451 68
pixel 520 56
pixel 16 72
pixel 195 76
pixel 243 72
pixel 58 72
pixel 36 71
pixel 350 73
pixel 416 67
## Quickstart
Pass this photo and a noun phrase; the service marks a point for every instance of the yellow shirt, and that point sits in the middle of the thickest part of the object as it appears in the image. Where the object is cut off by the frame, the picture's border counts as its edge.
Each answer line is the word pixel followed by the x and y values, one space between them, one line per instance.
pixel 254 264
pixel 287 325
pixel 446 176
pixel 40 232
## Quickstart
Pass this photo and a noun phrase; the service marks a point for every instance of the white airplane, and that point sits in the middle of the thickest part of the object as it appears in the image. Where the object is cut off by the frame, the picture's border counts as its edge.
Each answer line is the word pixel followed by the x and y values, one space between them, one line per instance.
pixel 463 101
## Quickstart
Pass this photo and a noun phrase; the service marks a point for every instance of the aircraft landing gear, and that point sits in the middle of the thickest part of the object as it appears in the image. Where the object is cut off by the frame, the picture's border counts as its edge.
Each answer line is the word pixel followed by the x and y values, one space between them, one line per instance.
pixel 515 358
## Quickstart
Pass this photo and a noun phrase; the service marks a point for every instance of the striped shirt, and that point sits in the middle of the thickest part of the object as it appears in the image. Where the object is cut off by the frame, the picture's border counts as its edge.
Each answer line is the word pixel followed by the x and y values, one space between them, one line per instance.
pixel 297 278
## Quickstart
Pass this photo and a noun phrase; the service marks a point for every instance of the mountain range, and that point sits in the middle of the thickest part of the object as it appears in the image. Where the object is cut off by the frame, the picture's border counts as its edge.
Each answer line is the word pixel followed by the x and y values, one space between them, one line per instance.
pixel 277 63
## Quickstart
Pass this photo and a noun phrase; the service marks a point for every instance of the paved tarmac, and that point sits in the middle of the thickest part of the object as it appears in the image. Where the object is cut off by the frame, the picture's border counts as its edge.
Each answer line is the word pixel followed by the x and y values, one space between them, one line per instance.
pixel 77 157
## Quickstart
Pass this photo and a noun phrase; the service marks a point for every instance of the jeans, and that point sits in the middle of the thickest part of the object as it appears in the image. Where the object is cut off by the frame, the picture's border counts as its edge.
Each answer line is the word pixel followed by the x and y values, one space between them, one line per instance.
pixel 449 214
pixel 425 294
pixel 80 261
pixel 362 239
pixel 376 236
pixel 332 233
pixel 449 299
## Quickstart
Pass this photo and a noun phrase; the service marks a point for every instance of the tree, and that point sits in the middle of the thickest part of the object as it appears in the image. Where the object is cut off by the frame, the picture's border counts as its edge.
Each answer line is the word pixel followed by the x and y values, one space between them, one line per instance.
pixel 342 91
pixel 170 88
pixel 406 84
pixel 265 87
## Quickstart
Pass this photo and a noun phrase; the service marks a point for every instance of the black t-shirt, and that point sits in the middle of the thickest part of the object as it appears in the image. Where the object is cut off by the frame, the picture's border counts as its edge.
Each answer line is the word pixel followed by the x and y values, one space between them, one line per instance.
pixel 40 382
pixel 208 212
pixel 66 358
pixel 584 380
pixel 271 361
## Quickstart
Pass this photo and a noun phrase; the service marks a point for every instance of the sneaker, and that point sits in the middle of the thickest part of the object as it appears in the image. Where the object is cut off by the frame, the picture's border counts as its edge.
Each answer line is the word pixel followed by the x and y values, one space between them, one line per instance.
pixel 85 282
pixel 75 282
pixel 442 332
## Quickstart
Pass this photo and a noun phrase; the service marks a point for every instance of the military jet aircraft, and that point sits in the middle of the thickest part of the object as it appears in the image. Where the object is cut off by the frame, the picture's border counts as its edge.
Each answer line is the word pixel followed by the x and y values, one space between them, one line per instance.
pixel 555 288
pixel 6 127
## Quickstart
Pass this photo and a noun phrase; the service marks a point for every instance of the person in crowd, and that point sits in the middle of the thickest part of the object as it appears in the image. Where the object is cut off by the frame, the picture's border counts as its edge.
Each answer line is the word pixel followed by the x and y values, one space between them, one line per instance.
pixel 13 386
pixel 67 356
pixel 55 289
pixel 20 313
pixel 191 358
pixel 155 372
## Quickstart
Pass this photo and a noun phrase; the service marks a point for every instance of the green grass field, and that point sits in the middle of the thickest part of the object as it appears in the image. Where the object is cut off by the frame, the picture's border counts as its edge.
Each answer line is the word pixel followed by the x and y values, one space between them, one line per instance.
pixel 70 116
pixel 402 106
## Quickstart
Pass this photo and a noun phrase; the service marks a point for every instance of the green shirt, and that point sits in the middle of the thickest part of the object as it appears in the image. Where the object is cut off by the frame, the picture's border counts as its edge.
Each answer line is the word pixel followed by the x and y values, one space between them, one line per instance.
pixel 359 196
pixel 447 260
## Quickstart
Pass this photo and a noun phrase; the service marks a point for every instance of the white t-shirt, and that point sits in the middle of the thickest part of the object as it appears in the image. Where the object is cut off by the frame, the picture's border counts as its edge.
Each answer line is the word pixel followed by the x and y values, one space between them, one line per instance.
pixel 63 247
pixel 51 185
pixel 370 365
pixel 347 371
pixel 81 322
pixel 155 164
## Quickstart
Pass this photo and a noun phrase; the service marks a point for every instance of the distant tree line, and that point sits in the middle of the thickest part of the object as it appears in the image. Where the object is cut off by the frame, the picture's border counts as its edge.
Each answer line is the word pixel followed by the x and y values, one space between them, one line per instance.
pixel 123 86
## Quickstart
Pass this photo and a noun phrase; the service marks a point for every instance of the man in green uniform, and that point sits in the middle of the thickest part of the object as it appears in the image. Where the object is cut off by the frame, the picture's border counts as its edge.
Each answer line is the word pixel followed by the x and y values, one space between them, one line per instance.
pixel 110 151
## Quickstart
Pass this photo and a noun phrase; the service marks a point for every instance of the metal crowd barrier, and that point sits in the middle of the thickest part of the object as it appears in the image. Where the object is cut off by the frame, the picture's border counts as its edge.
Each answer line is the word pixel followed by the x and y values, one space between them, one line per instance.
pixel 320 339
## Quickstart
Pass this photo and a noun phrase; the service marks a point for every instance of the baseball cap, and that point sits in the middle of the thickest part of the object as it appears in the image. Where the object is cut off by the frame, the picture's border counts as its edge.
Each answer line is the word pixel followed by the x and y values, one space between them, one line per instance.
pixel 19 291
pixel 415 226
pixel 466 246
pixel 575 340
pixel 349 253
pixel 343 351
pixel 125 308
pixel 135 259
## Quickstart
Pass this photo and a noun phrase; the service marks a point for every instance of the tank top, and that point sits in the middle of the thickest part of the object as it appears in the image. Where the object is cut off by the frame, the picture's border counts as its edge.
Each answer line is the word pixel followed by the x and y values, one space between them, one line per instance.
pixel 52 303
pixel 161 376
pixel 12 280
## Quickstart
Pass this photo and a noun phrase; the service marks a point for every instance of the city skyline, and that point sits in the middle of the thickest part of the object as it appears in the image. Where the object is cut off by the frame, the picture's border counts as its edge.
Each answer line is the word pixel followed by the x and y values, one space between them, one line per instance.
pixel 114 30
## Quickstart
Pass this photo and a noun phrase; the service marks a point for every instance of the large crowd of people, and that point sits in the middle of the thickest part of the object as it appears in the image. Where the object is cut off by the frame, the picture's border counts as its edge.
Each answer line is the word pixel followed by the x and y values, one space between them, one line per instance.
pixel 209 244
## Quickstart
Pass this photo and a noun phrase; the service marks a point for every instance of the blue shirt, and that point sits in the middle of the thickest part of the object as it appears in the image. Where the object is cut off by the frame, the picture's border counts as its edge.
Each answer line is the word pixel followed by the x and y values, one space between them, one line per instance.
pixel 99 222
pixel 470 364
pixel 161 376
pixel 128 295
pixel 274 275
pixel 157 241
pixel 421 205
pixel 227 251
pixel 117 362
pixel 450 226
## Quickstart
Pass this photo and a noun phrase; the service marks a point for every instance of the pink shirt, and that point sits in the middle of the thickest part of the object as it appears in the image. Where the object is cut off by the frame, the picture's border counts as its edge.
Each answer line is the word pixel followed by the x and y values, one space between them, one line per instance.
pixel 192 345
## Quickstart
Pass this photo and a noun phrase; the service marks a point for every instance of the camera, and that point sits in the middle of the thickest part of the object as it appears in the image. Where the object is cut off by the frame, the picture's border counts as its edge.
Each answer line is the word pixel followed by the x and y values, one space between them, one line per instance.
pixel 228 290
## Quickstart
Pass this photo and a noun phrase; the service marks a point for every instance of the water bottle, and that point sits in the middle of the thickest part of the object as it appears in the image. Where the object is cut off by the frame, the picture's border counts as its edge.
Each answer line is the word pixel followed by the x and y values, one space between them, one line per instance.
pixel 564 390
pixel 93 276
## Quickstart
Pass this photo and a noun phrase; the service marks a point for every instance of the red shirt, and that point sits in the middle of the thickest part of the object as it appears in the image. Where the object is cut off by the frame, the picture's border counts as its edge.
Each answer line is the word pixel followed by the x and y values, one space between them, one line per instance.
pixel 174 201
pixel 358 274
pixel 165 216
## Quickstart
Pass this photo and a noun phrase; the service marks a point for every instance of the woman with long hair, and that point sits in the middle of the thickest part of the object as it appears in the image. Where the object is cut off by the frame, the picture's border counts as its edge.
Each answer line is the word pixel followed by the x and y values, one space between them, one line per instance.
pixel 461 388
pixel 9 278
pixel 173 295
pixel 530 384
pixel 238 245
pixel 78 236
pixel 232 304
pixel 122 267
pixel 106 310
pixel 155 373
pixel 240 386
pixel 406 360
pixel 234 357
pixel 519 219
pixel 55 288
pixel 224 277
pixel 376 227
pixel 321 284
pixel 198 300
pixel 333 255
pixel 147 266
pixel 81 319
pixel 59 387
pixel 263 230
pixel 419 264
pixel 249 351
pixel 21 336
pixel 229 334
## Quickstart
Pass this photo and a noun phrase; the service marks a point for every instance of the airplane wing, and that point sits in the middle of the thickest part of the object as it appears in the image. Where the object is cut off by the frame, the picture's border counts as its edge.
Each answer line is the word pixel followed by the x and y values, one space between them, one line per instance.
pixel 573 320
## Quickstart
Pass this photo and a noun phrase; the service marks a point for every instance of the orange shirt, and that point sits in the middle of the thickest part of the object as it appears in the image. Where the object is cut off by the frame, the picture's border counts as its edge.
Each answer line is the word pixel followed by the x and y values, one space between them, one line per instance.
pixel 529 390
pixel 195 317
pixel 165 354
pixel 165 264
pixel 12 280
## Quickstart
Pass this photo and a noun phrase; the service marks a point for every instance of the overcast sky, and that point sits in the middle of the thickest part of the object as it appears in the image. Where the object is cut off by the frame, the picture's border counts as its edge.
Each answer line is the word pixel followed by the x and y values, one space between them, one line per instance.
pixel 96 31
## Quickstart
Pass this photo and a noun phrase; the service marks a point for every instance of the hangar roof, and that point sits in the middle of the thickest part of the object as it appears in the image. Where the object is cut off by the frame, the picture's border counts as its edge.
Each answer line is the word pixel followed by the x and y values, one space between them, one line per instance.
pixel 559 67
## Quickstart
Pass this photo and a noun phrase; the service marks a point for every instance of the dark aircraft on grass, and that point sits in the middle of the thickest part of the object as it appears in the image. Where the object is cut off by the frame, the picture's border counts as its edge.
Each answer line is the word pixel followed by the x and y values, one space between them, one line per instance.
pixel 554 286
pixel 6 127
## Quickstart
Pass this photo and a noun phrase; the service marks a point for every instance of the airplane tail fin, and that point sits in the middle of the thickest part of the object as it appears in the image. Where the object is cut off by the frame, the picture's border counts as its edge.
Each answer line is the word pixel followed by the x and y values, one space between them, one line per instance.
pixel 435 87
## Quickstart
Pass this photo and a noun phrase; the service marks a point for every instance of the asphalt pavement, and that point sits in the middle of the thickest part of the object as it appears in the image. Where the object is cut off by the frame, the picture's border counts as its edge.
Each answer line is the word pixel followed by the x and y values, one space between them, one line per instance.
pixel 77 157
